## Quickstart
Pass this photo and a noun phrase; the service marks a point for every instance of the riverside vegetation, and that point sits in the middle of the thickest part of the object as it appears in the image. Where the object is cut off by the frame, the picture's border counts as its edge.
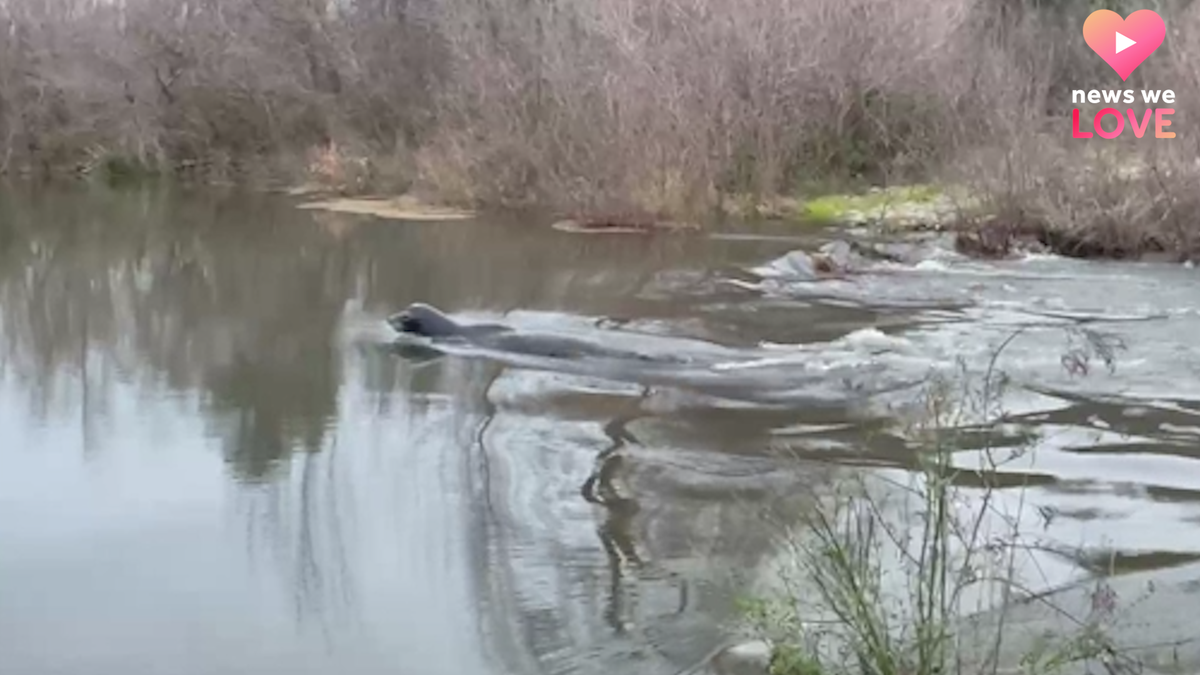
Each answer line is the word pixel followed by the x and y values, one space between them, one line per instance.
pixel 872 586
pixel 681 108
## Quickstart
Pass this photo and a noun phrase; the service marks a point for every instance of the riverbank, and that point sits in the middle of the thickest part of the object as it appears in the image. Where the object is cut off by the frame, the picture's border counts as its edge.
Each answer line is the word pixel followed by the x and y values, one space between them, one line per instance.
pixel 590 112
pixel 983 225
pixel 1081 202
pixel 1102 206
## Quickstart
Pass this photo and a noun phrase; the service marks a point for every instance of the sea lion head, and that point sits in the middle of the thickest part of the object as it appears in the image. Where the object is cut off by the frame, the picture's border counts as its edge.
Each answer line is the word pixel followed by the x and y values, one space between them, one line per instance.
pixel 421 319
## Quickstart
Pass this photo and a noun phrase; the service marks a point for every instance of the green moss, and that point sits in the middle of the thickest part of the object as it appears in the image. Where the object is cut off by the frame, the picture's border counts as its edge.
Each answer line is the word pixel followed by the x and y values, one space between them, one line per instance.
pixel 909 203
pixel 832 206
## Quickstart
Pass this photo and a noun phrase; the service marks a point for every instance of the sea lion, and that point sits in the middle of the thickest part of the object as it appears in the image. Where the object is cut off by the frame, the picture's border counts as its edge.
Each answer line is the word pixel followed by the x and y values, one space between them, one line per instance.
pixel 789 382
pixel 426 321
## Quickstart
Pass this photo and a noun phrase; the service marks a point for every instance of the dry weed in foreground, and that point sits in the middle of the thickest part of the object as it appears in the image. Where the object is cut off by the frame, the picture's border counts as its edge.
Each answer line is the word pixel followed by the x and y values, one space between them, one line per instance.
pixel 880 581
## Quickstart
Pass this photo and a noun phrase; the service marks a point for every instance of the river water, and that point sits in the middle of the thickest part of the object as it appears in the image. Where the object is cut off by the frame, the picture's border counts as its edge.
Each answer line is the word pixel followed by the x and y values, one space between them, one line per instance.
pixel 212 460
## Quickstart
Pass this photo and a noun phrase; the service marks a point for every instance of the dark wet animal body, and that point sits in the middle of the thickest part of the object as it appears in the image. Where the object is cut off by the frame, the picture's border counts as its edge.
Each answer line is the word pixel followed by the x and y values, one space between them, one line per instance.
pixel 790 385
pixel 426 321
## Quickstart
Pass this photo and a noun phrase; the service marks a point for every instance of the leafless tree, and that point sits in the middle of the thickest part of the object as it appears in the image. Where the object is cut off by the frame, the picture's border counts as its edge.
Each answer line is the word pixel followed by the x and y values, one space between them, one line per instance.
pixel 664 106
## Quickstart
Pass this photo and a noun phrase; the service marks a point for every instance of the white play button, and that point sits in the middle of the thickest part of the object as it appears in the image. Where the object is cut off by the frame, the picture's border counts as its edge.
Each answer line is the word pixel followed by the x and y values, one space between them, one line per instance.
pixel 1123 43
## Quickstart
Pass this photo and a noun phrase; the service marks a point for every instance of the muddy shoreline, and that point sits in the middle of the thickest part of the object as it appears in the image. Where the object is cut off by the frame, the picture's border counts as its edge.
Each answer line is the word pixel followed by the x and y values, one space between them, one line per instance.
pixel 975 233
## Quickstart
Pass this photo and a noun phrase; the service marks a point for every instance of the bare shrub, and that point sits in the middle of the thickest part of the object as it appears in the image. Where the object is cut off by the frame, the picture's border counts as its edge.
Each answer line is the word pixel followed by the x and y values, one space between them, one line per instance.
pixel 665 108
pixel 1115 199
pixel 210 85
pixel 1088 197
pixel 923 571
pixel 665 105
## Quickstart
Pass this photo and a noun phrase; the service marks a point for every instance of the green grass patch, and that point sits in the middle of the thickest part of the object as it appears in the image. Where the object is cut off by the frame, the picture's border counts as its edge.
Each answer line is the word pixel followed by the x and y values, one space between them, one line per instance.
pixel 841 207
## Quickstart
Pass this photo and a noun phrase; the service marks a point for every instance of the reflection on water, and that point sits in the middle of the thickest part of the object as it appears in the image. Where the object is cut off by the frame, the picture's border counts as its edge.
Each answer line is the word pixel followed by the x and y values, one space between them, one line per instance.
pixel 212 459
pixel 1102 460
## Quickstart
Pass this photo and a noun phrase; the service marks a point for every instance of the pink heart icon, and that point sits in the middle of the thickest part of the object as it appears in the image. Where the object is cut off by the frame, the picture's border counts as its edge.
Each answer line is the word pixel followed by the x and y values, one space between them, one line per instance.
pixel 1124 44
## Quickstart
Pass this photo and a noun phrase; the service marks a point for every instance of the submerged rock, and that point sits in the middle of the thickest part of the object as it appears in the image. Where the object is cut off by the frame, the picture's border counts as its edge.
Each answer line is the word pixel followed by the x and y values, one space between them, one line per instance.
pixel 801 265
pixel 845 257
pixel 745 658
pixel 838 255
pixel 797 265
